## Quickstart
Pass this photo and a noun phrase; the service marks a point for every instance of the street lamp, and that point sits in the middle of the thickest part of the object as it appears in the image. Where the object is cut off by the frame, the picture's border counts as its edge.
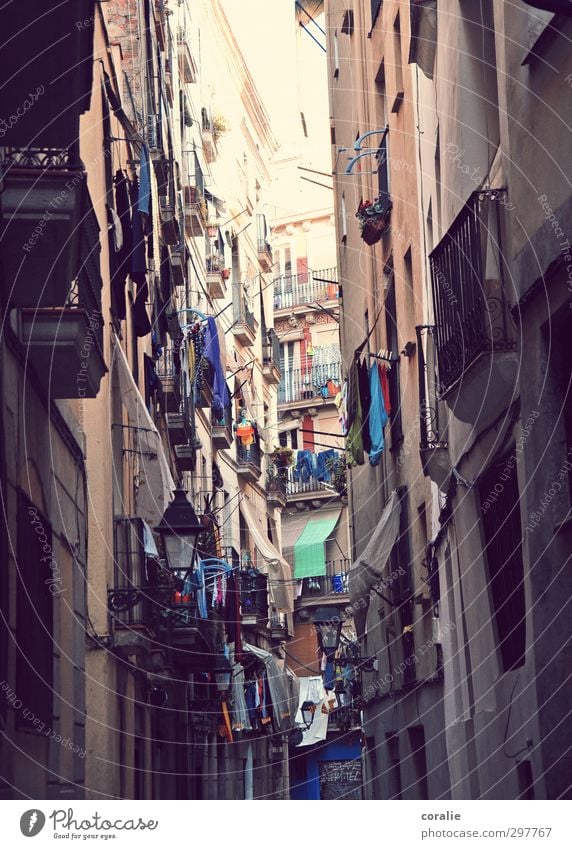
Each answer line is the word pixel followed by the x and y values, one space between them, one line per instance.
pixel 328 624
pixel 307 709
pixel 222 673
pixel 179 529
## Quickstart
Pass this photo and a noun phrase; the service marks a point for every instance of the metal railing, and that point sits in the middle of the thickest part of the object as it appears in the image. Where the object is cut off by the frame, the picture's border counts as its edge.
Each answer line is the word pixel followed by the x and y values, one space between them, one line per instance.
pixel 298 486
pixel 432 415
pixel 334 582
pixel 317 383
pixel 468 280
pixel 264 247
pixel 253 593
pixel 165 365
pixel 271 350
pixel 291 290
pixel 215 262
pixel 277 484
pixel 248 454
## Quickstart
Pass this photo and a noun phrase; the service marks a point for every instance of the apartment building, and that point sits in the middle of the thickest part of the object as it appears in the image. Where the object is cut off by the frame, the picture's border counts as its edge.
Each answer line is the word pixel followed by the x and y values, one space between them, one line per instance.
pixel 460 201
pixel 152 376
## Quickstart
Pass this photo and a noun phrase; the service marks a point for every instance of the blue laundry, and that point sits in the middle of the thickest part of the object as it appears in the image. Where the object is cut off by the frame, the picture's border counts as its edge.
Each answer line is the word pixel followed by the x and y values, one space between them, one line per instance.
pixel 221 395
pixel 304 466
pixel 377 416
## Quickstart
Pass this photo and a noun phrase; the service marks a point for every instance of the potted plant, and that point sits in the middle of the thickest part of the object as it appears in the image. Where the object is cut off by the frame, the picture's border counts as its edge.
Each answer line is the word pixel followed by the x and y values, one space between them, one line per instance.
pixel 282 457
pixel 373 217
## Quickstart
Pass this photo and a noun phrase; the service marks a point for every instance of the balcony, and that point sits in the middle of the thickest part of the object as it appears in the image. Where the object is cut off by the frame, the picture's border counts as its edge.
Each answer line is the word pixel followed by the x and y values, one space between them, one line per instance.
pixel 271 359
pixel 432 411
pixel 217 275
pixel 178 264
pixel 179 424
pixel 169 225
pixel 248 461
pixel 170 381
pixel 245 327
pixel 222 430
pixel 208 136
pixel 253 597
pixel 187 64
pixel 195 210
pixel 276 491
pixel 314 489
pixel 475 337
pixel 278 626
pixel 152 617
pixel 299 290
pixel 335 582
pixel 265 254
pixel 55 282
pixel 316 385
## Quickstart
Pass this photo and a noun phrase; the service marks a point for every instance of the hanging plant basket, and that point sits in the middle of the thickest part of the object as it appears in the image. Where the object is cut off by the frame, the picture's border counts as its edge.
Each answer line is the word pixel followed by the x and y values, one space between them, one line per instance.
pixel 374 218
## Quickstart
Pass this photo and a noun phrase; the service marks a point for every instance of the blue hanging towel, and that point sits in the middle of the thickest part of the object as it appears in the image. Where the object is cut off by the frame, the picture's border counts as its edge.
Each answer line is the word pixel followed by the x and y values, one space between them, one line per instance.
pixel 377 416
pixel 144 183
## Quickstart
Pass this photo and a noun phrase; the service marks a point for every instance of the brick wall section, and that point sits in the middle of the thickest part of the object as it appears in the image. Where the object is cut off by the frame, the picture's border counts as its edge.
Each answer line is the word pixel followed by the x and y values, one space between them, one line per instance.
pixel 122 25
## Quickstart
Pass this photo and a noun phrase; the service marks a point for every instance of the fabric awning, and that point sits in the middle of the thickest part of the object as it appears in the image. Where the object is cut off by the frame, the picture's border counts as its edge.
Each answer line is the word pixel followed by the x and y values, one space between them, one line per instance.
pixel 309 548
pixel 156 483
pixel 292 528
pixel 366 572
pixel 280 581
pixel 423 42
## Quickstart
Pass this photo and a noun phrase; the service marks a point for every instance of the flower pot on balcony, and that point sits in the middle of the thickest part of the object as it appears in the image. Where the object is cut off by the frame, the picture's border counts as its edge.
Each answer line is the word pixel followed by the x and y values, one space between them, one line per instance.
pixel 226 273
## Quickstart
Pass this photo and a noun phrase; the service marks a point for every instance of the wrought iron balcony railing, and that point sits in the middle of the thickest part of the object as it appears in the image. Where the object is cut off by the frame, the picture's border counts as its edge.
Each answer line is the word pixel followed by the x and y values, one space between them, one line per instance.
pixel 334 582
pixel 432 415
pixel 271 350
pixel 316 383
pixel 249 454
pixel 253 594
pixel 469 288
pixel 292 290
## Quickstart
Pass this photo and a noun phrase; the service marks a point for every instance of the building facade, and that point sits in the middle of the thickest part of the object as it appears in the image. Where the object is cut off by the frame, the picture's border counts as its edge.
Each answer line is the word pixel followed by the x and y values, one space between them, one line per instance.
pixel 460 241
pixel 146 363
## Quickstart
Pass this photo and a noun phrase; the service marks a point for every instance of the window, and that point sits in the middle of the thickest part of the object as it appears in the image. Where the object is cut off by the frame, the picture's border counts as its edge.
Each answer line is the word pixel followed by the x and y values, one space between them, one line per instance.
pixel 503 552
pixel 397 61
pixel 375 7
pixel 393 766
pixel 419 760
pixel 381 109
pixel 336 56
pixel 393 376
pixel 343 220
pixel 34 615
pixel 525 780
pixel 348 22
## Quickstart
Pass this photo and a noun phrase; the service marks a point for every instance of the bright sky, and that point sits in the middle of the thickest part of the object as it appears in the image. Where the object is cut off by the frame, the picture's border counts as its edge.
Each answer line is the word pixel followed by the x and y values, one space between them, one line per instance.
pixel 268 34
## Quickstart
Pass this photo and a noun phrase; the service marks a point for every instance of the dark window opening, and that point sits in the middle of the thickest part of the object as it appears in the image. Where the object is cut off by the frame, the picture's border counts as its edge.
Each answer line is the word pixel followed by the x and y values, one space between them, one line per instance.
pixel 503 552
pixel 419 759
pixel 525 780
pixel 375 7
pixel 393 766
pixel 393 375
pixel 34 616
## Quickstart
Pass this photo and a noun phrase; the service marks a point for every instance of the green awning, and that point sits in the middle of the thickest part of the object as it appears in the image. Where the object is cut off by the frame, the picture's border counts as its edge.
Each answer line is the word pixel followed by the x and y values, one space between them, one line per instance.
pixel 309 548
